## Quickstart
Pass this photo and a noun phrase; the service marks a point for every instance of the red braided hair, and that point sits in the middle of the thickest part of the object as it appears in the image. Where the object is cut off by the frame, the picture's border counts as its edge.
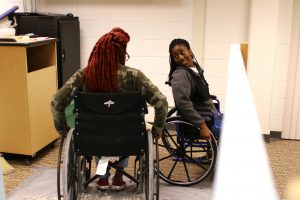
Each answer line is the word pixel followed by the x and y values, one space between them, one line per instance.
pixel 101 71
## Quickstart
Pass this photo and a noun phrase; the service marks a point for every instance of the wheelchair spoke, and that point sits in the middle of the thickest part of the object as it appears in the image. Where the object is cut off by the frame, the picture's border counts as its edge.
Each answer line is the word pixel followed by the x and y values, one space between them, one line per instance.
pixel 197 163
pixel 172 169
pixel 196 151
pixel 186 170
pixel 171 138
pixel 161 145
pixel 163 158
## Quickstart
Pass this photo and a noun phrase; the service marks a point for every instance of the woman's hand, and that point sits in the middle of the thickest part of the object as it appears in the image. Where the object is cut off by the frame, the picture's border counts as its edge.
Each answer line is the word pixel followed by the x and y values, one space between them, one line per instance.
pixel 205 133
pixel 65 131
pixel 157 132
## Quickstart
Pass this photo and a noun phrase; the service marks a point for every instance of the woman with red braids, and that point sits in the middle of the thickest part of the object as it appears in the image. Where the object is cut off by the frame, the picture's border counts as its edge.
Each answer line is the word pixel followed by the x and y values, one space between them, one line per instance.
pixel 106 72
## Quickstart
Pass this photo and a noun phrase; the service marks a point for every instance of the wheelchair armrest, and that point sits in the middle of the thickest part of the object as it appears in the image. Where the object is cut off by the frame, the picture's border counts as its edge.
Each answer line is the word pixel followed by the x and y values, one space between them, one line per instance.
pixel 204 113
pixel 216 102
pixel 171 111
pixel 207 116
pixel 179 118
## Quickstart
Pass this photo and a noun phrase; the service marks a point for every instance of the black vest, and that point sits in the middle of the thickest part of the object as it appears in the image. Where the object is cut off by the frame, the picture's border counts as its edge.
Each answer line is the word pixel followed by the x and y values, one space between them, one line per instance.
pixel 201 93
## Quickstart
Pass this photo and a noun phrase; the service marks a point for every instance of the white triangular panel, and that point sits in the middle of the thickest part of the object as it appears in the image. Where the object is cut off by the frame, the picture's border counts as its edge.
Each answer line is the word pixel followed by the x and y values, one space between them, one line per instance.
pixel 243 171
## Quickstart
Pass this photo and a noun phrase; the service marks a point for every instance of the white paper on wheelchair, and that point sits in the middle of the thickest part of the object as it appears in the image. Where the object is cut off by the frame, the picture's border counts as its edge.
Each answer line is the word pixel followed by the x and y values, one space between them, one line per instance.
pixel 102 164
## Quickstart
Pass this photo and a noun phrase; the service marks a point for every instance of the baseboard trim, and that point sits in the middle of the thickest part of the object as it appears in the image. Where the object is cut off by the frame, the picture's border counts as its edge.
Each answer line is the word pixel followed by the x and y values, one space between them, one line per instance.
pixel 275 134
pixel 266 138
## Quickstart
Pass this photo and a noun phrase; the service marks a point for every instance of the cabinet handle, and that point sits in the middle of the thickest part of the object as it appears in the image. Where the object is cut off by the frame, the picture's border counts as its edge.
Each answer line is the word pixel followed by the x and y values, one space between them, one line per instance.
pixel 63 55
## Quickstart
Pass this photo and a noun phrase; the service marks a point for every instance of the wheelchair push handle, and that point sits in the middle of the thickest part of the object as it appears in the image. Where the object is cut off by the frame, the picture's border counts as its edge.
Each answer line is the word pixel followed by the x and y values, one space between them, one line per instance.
pixel 168 83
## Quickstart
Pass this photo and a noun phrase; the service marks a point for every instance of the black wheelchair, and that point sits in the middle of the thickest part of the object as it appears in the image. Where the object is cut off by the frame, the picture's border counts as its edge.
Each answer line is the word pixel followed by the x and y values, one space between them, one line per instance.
pixel 107 124
pixel 185 158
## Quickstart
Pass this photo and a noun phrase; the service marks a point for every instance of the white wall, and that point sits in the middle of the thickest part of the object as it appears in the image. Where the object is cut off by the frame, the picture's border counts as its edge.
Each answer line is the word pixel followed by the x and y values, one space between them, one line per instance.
pixel 209 25
pixel 261 58
pixel 233 21
pixel 198 29
pixel 151 25
pixel 23 5
pixel 226 22
pixel 268 59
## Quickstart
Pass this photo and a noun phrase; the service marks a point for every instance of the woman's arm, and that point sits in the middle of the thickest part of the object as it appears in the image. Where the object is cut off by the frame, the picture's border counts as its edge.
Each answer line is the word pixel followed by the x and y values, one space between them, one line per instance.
pixel 155 98
pixel 62 98
pixel 181 88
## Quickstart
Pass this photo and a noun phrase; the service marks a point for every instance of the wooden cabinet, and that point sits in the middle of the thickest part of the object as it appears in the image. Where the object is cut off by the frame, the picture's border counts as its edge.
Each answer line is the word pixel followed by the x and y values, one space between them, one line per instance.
pixel 28 79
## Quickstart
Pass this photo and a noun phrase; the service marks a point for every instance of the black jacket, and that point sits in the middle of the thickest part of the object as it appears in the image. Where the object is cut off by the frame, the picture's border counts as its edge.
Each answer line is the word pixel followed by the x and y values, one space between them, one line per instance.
pixel 189 97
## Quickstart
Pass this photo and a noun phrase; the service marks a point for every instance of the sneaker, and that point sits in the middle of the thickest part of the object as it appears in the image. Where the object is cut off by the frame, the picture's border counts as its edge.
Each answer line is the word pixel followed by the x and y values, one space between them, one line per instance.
pixel 102 184
pixel 118 183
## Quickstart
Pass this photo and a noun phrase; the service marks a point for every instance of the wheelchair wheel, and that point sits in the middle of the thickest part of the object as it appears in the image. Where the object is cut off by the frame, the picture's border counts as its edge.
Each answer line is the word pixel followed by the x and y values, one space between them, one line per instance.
pixel 147 175
pixel 156 170
pixel 59 163
pixel 72 180
pixel 84 175
pixel 185 158
pixel 153 167
pixel 144 185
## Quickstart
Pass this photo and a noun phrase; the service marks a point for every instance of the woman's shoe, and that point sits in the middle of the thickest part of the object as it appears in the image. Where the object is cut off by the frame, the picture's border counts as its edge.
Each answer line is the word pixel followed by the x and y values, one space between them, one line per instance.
pixel 102 184
pixel 118 183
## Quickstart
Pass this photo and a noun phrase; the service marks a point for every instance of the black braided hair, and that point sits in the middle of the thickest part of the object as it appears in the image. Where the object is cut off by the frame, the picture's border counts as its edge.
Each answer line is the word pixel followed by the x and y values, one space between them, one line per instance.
pixel 101 71
pixel 173 64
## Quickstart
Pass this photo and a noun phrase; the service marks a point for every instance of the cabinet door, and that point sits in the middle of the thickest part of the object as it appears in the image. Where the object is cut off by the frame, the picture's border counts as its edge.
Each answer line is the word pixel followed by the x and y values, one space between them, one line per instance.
pixel 69 49
pixel 41 87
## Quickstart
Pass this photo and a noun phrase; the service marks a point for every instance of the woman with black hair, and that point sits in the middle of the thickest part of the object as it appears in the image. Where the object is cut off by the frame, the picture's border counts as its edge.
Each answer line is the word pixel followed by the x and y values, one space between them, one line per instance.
pixel 189 87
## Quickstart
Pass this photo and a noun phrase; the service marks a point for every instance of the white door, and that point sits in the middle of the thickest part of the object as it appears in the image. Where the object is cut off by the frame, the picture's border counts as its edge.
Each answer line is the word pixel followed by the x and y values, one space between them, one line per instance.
pixel 291 118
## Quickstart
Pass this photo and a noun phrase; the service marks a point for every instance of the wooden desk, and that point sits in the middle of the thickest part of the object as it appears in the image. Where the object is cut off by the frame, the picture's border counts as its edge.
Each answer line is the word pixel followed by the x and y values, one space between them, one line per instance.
pixel 28 79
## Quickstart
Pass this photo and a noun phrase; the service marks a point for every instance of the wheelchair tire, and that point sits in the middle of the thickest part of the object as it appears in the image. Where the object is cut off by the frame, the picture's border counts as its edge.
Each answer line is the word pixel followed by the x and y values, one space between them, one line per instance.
pixel 143 177
pixel 72 181
pixel 185 159
pixel 149 178
pixel 59 164
pixel 156 169
pixel 153 167
pixel 140 175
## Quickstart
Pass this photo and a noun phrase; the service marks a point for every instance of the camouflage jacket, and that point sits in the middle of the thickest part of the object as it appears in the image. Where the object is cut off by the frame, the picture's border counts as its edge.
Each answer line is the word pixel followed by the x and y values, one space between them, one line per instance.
pixel 129 79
